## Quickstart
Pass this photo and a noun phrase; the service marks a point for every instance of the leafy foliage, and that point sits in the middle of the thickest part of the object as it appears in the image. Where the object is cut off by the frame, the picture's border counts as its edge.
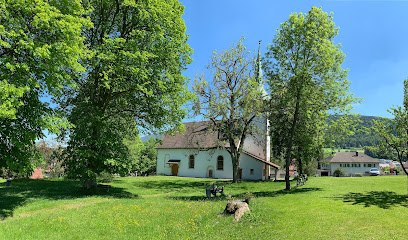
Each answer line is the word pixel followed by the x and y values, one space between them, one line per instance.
pixel 133 80
pixel 361 135
pixel 339 172
pixel 232 101
pixel 306 81
pixel 143 156
pixel 40 48
pixel 394 133
pixel 52 158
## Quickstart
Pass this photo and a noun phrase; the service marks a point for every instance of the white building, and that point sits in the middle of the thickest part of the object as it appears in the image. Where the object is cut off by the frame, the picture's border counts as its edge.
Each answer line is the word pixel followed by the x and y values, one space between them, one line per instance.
pixel 350 162
pixel 200 151
pixel 196 153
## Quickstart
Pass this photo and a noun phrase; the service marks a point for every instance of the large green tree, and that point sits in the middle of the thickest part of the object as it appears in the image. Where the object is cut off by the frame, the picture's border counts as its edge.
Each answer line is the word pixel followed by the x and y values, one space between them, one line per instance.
pixel 40 48
pixel 133 80
pixel 232 100
pixel 143 155
pixel 394 133
pixel 303 67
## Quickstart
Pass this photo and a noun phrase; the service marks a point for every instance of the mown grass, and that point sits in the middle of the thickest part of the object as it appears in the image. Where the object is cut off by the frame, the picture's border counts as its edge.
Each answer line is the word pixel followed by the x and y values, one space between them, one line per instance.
pixel 176 208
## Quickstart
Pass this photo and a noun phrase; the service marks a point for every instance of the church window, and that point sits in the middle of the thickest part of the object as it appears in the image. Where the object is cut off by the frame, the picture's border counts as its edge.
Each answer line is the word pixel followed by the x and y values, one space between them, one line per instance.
pixel 220 163
pixel 191 161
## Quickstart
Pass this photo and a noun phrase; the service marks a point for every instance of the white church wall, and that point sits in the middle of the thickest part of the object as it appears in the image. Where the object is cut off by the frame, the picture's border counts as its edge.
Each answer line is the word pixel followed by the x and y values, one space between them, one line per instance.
pixel 203 162
pixel 247 163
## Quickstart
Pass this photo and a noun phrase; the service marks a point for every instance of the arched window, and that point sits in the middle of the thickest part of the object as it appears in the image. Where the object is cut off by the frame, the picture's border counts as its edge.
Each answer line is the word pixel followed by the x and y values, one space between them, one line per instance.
pixel 220 163
pixel 191 161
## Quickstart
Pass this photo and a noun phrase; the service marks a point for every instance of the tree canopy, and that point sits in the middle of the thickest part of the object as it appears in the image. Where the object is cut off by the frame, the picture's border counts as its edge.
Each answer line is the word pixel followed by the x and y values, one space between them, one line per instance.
pixel 394 133
pixel 231 100
pixel 133 80
pixel 303 67
pixel 40 48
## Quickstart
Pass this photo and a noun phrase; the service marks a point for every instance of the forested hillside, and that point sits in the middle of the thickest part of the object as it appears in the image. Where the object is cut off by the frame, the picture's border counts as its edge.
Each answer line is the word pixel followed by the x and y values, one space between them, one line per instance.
pixel 361 137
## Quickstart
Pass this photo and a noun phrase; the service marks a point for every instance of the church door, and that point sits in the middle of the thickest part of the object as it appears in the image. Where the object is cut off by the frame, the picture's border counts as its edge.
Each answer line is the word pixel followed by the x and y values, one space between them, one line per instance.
pixel 174 169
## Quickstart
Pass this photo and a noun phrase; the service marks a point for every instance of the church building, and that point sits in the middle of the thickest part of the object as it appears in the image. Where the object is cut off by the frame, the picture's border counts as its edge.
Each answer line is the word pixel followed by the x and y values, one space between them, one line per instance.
pixel 196 152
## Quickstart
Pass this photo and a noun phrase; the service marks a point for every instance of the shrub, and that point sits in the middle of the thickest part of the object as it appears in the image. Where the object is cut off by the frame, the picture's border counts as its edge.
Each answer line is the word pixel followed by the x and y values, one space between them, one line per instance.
pixel 358 175
pixel 248 197
pixel 339 172
pixel 105 177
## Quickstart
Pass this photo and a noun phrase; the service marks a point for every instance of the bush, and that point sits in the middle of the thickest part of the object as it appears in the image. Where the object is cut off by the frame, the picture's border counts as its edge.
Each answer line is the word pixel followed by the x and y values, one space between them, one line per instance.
pixel 358 175
pixel 105 177
pixel 248 197
pixel 339 172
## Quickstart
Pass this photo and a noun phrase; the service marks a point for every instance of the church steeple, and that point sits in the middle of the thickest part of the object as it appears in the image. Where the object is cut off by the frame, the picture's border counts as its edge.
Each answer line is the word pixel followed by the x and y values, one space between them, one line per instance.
pixel 258 66
pixel 259 74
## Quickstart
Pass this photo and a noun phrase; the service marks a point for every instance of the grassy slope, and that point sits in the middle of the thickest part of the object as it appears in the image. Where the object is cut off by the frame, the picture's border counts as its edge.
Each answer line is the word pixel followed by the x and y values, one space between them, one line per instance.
pixel 328 151
pixel 175 208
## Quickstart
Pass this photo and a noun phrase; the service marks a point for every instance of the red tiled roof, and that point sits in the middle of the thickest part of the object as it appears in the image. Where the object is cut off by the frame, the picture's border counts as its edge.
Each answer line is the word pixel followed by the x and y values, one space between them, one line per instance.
pixel 37 174
pixel 349 157
pixel 196 135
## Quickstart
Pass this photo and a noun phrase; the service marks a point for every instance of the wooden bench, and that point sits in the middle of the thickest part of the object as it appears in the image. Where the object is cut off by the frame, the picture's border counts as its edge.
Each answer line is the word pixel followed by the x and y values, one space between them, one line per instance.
pixel 301 180
pixel 214 190
pixel 104 186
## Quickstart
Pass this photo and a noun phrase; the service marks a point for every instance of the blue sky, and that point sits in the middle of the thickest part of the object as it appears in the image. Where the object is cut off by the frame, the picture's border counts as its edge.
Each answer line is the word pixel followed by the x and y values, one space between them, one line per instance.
pixel 373 35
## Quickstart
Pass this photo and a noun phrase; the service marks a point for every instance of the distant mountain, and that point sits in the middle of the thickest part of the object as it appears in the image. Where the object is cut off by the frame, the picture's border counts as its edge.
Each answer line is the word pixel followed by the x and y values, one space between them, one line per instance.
pixel 147 137
pixel 361 138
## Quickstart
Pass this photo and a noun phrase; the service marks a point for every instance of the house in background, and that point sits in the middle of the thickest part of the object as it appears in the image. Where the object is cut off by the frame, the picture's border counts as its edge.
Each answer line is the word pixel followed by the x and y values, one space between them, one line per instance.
pixel 197 153
pixel 350 162
pixel 37 174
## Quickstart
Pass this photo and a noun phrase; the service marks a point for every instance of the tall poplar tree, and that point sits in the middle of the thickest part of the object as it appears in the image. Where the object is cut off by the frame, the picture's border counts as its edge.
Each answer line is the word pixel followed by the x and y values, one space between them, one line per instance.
pixel 133 80
pixel 303 67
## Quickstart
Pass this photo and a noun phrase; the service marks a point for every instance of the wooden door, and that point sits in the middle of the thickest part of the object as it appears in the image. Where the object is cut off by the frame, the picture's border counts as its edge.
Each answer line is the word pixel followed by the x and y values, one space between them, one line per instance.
pixel 174 169
pixel 210 173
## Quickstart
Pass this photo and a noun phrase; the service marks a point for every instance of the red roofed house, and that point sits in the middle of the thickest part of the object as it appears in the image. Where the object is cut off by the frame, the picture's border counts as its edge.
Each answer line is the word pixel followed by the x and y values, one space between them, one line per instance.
pixel 37 174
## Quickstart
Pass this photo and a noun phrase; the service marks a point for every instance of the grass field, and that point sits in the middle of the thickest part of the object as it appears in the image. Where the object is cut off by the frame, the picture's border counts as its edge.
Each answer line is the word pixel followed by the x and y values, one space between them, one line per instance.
pixel 328 151
pixel 176 208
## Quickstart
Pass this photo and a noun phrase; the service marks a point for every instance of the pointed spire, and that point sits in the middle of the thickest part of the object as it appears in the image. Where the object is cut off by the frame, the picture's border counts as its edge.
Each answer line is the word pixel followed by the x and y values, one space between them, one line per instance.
pixel 259 74
pixel 258 67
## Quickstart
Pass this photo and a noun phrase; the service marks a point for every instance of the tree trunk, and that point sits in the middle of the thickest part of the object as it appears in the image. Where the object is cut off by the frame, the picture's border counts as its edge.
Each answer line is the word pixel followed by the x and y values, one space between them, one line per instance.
pixel 236 207
pixel 89 184
pixel 235 165
pixel 290 142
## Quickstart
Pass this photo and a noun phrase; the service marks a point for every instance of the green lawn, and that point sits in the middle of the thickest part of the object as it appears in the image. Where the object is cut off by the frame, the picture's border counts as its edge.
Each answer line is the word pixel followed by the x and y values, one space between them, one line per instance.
pixel 328 151
pixel 176 208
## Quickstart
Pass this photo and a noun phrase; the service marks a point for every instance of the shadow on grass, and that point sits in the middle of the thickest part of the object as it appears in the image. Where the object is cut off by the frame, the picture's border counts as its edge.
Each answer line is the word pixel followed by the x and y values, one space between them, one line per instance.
pixel 381 199
pixel 178 184
pixel 241 196
pixel 22 190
